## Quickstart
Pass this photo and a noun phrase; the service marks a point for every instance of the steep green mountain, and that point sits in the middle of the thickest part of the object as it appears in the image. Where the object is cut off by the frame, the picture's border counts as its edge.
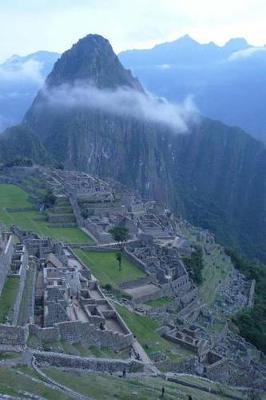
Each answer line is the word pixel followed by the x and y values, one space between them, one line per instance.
pixel 214 175
pixel 19 142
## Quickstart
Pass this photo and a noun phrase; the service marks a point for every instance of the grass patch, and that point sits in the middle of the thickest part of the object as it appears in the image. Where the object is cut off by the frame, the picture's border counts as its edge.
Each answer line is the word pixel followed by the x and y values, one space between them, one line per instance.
pixel 11 382
pixel 144 328
pixel 102 353
pixel 8 296
pixel 12 196
pixel 163 301
pixel 105 387
pixel 216 268
pixel 105 267
pixel 8 356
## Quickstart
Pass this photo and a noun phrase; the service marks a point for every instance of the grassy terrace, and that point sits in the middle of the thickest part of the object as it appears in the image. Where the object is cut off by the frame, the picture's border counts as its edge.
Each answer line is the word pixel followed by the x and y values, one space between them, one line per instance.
pixel 144 328
pixel 8 296
pixel 105 387
pixel 104 267
pixel 215 270
pixel 163 301
pixel 76 349
pixel 12 196
pixel 12 382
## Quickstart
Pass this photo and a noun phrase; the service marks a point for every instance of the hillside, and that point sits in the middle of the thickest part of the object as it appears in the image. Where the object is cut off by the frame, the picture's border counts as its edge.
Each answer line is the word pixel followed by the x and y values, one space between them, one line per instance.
pixel 212 174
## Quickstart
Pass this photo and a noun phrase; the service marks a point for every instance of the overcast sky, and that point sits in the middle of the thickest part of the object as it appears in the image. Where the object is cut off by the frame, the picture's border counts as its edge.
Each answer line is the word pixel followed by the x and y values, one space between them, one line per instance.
pixel 30 25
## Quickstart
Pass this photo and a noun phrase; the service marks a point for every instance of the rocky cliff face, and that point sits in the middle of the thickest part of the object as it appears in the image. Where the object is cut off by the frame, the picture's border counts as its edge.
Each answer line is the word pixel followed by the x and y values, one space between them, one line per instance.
pixel 214 175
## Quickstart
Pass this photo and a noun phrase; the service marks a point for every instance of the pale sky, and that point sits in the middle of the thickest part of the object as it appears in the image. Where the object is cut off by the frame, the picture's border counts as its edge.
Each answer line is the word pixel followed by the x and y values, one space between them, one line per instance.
pixel 27 26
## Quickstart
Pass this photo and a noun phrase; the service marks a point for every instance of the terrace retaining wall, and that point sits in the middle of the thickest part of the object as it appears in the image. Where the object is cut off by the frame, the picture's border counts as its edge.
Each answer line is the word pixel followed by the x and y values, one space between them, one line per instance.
pixel 92 364
pixel 5 261
pixel 13 335
pixel 83 332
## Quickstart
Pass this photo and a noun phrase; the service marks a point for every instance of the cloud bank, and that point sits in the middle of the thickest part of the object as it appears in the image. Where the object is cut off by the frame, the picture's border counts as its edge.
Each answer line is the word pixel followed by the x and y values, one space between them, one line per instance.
pixel 246 53
pixel 125 102
pixel 30 70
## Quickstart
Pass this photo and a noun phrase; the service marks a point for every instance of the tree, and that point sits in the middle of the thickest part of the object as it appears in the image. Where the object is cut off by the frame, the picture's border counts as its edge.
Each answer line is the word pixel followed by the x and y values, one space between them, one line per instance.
pixel 120 235
pixel 49 199
pixel 119 259
pixel 84 213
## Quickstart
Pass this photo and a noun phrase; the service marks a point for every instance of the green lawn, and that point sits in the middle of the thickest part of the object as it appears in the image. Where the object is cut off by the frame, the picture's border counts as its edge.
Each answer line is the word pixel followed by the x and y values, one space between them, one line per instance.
pixel 104 387
pixel 8 296
pixel 11 382
pixel 12 196
pixel 163 301
pixel 105 267
pixel 144 328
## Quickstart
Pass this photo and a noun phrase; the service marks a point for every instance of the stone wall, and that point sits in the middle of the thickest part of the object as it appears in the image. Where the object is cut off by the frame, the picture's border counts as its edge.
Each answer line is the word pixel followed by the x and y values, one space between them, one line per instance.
pixel 5 261
pixel 61 218
pixel 22 277
pixel 93 364
pixel 45 335
pixel 13 335
pixel 136 261
pixel 136 282
pixel 182 343
pixel 76 210
pixel 219 371
pixel 83 332
pixel 186 366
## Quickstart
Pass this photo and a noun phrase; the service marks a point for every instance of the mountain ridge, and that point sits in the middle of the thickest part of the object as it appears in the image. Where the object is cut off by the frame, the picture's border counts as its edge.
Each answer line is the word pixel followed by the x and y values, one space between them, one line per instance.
pixel 227 82
pixel 209 175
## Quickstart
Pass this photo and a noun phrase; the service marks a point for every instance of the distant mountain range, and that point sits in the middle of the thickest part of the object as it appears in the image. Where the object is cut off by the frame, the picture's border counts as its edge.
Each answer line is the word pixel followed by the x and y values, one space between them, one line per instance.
pixel 20 80
pixel 227 83
pixel 93 115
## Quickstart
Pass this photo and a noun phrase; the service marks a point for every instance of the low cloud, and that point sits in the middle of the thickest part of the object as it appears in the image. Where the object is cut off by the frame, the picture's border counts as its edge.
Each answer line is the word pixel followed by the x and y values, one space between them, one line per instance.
pixel 16 71
pixel 246 53
pixel 125 102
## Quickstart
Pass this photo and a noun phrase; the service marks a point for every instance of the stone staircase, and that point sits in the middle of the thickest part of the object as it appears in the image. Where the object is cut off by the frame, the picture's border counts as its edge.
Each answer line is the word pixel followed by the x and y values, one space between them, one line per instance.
pixel 62 215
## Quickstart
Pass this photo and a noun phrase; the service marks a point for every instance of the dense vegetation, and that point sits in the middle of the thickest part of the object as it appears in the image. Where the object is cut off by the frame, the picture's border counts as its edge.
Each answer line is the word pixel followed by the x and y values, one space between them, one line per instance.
pixel 252 324
pixel 195 265
pixel 19 162
pixel 49 199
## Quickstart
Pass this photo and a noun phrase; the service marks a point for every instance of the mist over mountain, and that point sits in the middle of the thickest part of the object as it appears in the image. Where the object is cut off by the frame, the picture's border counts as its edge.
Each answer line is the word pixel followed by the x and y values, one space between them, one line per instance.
pixel 93 115
pixel 227 83
pixel 20 79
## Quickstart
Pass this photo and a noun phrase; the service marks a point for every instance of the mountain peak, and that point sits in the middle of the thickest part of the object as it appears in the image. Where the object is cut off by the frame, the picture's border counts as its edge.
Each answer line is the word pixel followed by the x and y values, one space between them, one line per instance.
pixel 187 38
pixel 92 59
pixel 236 44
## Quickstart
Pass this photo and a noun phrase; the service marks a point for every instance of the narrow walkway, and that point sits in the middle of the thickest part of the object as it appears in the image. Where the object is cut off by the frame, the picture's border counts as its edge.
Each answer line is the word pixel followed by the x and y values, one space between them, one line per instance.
pixel 85 230
pixel 138 349
pixel 54 384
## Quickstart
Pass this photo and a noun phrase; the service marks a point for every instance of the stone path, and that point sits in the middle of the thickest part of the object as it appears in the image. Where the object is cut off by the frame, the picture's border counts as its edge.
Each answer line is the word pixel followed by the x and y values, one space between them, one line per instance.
pixel 54 384
pixel 85 230
pixel 138 349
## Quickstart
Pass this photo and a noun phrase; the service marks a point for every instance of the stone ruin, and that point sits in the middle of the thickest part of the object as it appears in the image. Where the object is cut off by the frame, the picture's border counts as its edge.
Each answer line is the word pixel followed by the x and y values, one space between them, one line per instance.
pixel 165 268
pixel 67 303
